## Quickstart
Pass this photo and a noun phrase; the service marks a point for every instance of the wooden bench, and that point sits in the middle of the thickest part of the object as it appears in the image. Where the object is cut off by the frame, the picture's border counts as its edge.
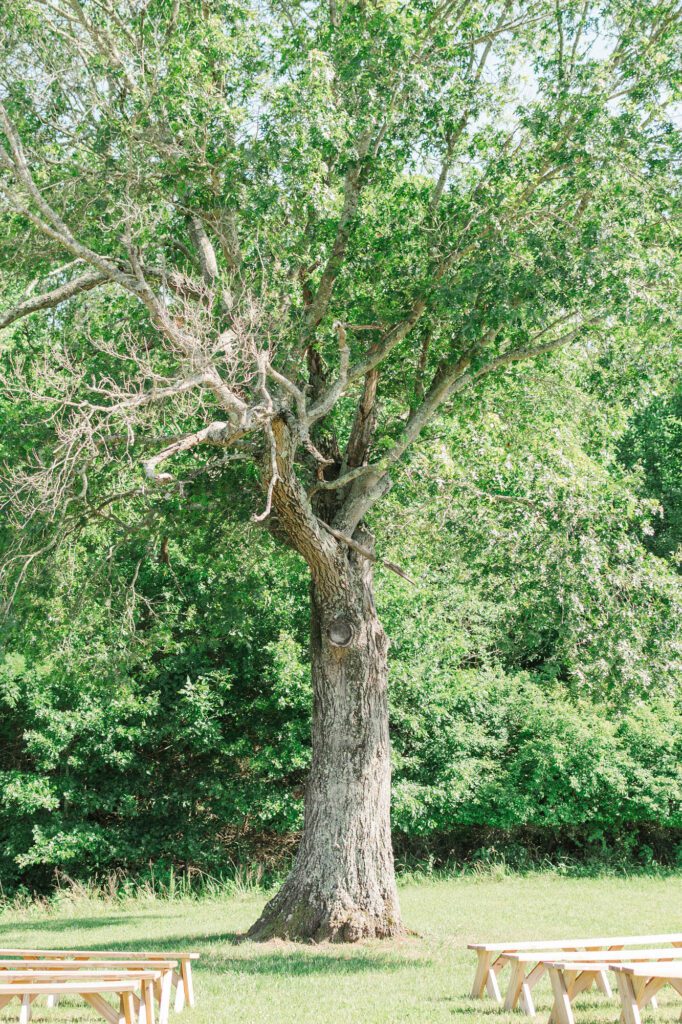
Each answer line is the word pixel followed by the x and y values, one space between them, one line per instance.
pixel 493 957
pixel 519 988
pixel 182 979
pixel 163 970
pixel 571 977
pixel 27 988
pixel 638 984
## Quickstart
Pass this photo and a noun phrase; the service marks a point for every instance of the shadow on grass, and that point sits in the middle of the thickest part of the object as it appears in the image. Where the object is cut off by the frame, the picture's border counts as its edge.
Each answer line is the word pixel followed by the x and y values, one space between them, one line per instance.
pixel 158 944
pixel 261 960
pixel 47 924
pixel 469 1007
pixel 298 962
pixel 466 1008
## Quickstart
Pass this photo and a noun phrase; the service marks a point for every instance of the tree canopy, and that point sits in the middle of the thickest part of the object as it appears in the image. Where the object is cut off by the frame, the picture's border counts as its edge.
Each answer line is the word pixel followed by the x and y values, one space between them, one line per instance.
pixel 302 197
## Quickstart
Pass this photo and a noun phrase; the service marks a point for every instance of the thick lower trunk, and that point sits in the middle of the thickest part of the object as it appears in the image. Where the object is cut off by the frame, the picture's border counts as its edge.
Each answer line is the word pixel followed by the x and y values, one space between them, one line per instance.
pixel 342 887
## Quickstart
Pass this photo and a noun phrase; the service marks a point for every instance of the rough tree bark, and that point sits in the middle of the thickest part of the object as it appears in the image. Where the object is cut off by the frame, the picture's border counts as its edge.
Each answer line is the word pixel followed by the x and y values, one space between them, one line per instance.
pixel 342 887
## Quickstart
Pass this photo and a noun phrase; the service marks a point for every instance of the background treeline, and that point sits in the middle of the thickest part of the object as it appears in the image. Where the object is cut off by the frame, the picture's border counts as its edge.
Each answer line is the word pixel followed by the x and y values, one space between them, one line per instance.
pixel 154 693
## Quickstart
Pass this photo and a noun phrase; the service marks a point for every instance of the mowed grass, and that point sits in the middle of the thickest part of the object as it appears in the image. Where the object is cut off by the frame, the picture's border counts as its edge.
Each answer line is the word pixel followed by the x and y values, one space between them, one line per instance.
pixel 423 978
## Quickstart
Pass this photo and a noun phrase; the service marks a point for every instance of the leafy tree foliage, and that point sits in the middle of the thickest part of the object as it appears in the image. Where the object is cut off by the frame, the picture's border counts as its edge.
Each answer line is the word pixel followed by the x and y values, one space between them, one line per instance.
pixel 654 443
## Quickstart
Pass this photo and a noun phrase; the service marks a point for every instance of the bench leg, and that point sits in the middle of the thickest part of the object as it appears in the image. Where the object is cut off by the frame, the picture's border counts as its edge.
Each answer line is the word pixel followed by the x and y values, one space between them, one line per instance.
pixel 179 992
pixel 526 1000
pixel 602 983
pixel 128 1007
pixel 481 976
pixel 677 985
pixel 148 1001
pixel 104 1008
pixel 187 981
pixel 164 1001
pixel 628 999
pixel 562 1012
pixel 140 1009
pixel 25 1010
pixel 518 976
pixel 492 987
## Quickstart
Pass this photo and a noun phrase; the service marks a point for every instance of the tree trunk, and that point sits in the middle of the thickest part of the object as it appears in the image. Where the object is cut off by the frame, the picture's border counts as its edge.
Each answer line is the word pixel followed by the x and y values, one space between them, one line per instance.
pixel 342 887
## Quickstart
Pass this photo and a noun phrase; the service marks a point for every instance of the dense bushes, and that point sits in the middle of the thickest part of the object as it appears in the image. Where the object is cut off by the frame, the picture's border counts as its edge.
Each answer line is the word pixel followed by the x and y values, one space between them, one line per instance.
pixel 509 753
pixel 199 774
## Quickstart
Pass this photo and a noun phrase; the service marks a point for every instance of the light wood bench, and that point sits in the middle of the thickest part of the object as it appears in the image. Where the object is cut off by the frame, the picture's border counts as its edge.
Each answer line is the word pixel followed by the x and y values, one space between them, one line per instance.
pixel 163 970
pixel 639 983
pixel 182 979
pixel 601 961
pixel 493 957
pixel 28 988
pixel 571 977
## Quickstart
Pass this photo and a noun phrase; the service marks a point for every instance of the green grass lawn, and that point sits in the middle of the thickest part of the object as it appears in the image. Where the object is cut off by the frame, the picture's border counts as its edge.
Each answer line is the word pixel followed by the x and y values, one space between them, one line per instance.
pixel 424 978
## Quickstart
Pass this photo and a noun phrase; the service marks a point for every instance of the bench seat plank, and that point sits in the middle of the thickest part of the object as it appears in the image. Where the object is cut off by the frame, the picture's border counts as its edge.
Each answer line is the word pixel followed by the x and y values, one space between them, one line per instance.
pixel 90 986
pixel 604 956
pixel 26 974
pixel 620 940
pixel 66 987
pixel 105 954
pixel 655 970
pixel 73 965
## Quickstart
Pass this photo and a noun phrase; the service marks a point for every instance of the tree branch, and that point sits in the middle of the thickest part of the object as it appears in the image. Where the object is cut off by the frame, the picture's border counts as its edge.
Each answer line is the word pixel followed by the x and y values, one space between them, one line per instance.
pixel 295 513
pixel 380 350
pixel 204 247
pixel 217 433
pixel 48 300
pixel 531 351
pixel 351 197
pixel 364 424
pixel 331 397
pixel 366 552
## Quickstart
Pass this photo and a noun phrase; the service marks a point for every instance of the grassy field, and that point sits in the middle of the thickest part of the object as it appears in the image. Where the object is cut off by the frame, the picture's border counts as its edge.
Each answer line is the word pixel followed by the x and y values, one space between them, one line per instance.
pixel 424 978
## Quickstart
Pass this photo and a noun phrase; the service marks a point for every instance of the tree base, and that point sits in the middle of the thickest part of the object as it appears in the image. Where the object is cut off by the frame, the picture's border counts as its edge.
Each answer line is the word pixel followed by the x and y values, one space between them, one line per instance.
pixel 303 917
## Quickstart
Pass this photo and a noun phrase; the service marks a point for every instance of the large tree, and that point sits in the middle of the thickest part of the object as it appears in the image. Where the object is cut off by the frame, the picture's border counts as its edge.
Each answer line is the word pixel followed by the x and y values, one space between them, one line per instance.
pixel 292 233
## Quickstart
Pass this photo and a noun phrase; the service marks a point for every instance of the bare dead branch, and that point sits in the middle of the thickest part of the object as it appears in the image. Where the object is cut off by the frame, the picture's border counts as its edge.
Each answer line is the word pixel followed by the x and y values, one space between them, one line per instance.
pixel 269 433
pixel 217 433
pixel 366 552
pixel 274 475
pixel 340 481
pixel 48 300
